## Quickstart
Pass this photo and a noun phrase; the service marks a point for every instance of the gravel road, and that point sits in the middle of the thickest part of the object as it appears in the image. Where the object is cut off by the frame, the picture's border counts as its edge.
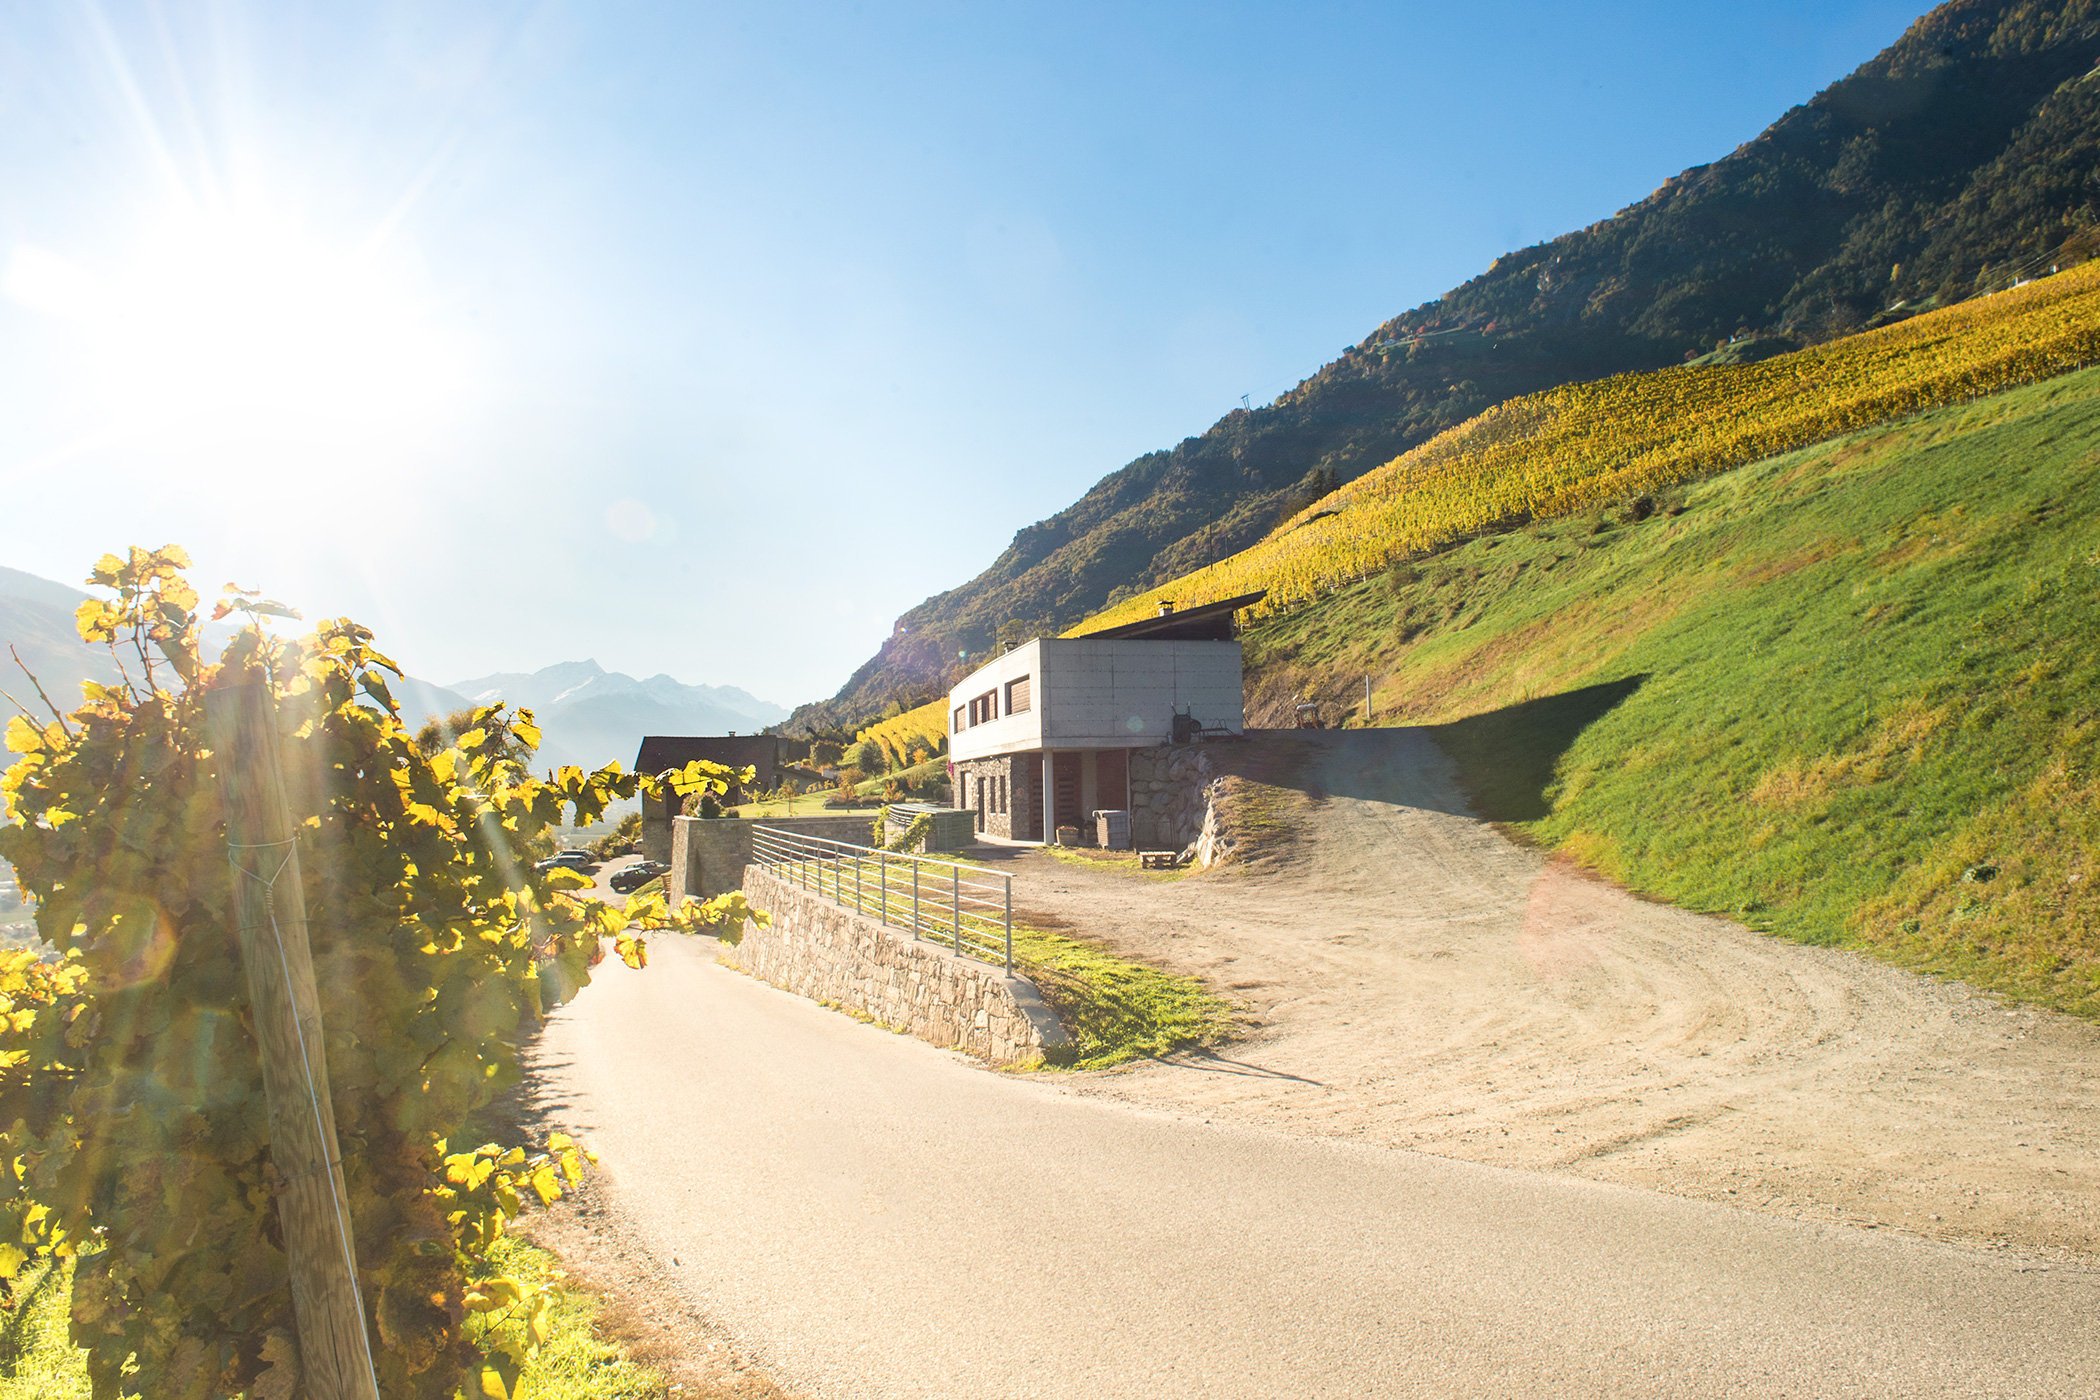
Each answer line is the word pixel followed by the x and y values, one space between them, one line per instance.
pixel 1418 981
pixel 875 1218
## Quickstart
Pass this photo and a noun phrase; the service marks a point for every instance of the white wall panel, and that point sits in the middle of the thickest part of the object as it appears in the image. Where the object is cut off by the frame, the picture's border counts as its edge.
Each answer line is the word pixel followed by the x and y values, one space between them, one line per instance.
pixel 1104 694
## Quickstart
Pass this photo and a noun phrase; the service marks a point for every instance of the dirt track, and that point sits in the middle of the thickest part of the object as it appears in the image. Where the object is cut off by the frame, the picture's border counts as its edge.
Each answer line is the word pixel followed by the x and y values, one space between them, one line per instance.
pixel 1416 980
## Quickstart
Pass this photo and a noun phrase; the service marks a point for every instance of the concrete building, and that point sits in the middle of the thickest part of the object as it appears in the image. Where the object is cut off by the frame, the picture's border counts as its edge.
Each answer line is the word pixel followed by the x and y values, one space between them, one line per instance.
pixel 1042 736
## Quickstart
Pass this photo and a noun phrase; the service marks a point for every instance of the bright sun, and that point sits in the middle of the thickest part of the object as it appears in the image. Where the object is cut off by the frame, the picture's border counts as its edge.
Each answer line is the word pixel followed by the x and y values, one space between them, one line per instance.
pixel 246 327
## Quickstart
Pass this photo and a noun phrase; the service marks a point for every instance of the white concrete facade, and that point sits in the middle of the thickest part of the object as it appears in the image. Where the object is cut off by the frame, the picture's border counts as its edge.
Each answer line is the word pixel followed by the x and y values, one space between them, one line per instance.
pixel 1086 693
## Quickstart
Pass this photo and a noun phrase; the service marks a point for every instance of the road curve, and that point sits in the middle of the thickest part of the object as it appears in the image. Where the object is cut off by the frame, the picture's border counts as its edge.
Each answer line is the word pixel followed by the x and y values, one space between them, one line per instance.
pixel 876 1218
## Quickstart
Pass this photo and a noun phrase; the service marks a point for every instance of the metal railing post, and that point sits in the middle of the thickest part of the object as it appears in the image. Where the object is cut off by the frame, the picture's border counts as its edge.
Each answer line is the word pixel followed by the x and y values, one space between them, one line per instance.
pixel 803 860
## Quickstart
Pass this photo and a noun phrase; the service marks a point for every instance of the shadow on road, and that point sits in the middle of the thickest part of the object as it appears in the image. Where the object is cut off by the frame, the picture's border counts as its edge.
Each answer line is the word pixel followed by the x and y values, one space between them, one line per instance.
pixel 1209 1063
pixel 1506 757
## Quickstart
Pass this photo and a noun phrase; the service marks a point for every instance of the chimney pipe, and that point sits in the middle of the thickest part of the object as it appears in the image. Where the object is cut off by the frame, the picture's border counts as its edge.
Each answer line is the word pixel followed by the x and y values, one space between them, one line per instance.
pixel 1166 609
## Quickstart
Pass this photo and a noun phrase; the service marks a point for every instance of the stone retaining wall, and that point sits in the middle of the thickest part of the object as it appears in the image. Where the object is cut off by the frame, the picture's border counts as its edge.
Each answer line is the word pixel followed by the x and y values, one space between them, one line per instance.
pixel 708 854
pixel 823 951
pixel 1169 796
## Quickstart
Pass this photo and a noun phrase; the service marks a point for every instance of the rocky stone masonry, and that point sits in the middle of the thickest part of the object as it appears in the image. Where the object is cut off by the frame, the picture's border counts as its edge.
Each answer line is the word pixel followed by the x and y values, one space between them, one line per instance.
pixel 708 854
pixel 1217 840
pixel 823 951
pixel 1020 814
pixel 1169 796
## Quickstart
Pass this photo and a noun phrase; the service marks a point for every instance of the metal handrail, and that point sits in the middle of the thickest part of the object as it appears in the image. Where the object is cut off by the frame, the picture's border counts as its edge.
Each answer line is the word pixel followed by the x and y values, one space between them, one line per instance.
pixel 931 898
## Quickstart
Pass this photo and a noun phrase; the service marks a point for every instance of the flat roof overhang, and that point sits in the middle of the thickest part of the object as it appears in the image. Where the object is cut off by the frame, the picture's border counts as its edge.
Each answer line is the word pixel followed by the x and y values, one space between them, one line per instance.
pixel 1212 622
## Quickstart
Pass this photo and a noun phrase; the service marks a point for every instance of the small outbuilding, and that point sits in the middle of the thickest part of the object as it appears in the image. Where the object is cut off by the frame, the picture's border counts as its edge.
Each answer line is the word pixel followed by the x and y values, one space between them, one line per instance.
pixel 767 754
pixel 1042 736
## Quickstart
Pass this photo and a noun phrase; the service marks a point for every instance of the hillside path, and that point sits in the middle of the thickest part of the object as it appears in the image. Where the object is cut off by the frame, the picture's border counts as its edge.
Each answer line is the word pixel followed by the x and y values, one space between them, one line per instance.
pixel 1418 981
pixel 875 1218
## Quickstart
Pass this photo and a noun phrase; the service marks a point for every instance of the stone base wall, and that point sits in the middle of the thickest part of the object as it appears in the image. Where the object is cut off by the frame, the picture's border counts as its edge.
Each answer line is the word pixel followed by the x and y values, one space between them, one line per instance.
pixel 1019 778
pixel 826 952
pixel 708 854
pixel 656 839
pixel 1169 795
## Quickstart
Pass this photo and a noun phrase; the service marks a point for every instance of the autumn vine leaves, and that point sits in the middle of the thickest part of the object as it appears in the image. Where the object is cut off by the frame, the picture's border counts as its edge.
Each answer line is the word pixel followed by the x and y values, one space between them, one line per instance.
pixel 132 1127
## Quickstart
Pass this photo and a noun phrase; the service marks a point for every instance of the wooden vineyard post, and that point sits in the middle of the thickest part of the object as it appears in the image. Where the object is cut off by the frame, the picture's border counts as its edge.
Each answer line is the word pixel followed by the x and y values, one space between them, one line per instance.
pixel 269 909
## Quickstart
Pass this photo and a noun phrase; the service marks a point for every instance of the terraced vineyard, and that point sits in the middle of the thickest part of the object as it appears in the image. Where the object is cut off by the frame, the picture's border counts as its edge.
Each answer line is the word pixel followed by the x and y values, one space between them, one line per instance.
pixel 923 730
pixel 1581 446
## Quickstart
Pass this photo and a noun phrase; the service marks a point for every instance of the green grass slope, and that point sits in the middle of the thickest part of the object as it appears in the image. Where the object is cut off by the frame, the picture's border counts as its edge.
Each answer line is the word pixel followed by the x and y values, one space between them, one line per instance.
pixel 1851 694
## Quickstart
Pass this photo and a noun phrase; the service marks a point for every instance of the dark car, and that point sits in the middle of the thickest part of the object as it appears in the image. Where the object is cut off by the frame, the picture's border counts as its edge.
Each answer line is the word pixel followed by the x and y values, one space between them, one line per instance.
pixel 581 861
pixel 635 876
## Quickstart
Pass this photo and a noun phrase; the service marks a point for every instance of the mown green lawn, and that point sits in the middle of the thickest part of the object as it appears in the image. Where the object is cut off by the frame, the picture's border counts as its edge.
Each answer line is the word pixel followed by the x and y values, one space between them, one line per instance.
pixel 1851 695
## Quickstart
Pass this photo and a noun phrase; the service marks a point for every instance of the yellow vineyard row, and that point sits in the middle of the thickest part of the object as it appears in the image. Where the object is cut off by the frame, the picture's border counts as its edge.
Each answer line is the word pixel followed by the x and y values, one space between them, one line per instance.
pixel 1571 449
pixel 915 731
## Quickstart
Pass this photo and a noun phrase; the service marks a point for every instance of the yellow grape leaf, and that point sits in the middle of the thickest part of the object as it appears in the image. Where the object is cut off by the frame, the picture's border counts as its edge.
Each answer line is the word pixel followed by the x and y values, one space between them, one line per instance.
pixel 12 1257
pixel 546 1184
pixel 468 1170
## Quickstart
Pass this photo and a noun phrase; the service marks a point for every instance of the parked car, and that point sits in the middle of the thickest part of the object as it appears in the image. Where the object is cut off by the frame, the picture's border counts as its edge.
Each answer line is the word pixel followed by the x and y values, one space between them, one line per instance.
pixel 635 876
pixel 582 861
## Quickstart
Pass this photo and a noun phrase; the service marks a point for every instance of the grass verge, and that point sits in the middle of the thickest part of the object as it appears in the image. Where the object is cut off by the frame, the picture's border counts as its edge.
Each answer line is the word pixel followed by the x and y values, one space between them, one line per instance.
pixel 1120 862
pixel 38 1362
pixel 1114 1009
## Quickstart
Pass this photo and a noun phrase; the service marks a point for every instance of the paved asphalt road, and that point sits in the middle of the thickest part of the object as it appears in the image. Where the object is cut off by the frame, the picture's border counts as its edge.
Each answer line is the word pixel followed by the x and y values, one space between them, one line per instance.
pixel 878 1218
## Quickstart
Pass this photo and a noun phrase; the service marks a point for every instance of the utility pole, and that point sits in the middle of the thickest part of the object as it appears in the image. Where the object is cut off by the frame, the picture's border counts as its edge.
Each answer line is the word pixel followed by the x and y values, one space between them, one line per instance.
pixel 313 1205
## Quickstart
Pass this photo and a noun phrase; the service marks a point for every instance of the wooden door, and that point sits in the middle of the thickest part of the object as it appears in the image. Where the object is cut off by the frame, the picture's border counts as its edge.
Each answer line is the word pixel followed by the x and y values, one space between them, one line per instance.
pixel 1112 780
pixel 1064 777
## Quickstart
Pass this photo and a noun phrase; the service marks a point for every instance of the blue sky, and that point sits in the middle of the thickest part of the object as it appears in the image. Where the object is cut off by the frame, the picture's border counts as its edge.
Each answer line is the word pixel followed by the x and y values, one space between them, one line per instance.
pixel 708 338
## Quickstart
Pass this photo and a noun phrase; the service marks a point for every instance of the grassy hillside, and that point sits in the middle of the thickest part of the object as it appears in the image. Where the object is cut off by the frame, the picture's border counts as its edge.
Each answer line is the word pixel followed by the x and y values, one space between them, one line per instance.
pixel 1963 155
pixel 1570 449
pixel 1847 694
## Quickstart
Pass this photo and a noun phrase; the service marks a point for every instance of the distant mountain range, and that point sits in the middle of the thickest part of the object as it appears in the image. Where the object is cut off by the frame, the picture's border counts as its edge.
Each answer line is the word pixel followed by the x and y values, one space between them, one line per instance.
pixel 589 716
pixel 1960 159
pixel 36 619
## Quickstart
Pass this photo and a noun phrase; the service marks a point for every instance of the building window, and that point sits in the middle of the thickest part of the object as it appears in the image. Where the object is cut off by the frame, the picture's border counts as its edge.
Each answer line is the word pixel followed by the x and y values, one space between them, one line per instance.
pixel 1017 696
pixel 984 709
pixel 958 719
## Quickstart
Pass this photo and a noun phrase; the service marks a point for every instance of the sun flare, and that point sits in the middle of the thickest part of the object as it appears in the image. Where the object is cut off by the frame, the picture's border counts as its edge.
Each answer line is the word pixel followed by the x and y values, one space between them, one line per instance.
pixel 248 326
